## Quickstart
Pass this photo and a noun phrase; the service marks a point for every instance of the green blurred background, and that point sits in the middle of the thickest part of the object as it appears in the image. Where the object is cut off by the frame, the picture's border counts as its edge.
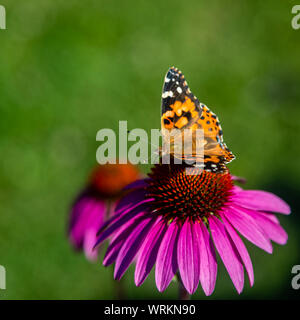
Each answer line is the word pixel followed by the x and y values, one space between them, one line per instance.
pixel 70 68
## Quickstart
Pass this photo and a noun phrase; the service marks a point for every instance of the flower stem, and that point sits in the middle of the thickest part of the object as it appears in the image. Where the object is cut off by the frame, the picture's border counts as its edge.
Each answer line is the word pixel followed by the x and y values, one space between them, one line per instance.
pixel 182 293
pixel 119 290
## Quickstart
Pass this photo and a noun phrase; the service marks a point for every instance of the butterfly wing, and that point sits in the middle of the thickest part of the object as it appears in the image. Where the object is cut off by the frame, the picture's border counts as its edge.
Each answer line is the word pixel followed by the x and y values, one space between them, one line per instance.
pixel 216 153
pixel 182 111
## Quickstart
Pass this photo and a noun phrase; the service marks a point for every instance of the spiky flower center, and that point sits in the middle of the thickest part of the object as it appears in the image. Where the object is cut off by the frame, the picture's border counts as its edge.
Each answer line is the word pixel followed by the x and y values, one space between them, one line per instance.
pixel 188 192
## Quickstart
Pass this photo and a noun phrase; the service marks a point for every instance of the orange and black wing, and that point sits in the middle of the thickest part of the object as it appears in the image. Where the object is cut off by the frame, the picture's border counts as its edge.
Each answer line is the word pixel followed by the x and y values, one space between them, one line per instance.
pixel 180 109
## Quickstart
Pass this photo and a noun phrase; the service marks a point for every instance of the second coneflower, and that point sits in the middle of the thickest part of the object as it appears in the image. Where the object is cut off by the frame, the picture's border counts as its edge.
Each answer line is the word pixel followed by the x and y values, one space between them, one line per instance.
pixel 95 204
pixel 175 220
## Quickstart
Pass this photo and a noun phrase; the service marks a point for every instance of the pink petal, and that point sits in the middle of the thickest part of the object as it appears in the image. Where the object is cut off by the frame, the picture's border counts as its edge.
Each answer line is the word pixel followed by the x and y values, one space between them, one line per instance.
pixel 242 250
pixel 148 252
pixel 239 179
pixel 118 239
pixel 227 253
pixel 119 222
pixel 133 197
pixel 93 222
pixel 142 183
pixel 270 216
pixel 188 257
pixel 272 229
pixel 208 261
pixel 166 263
pixel 261 200
pixel 88 213
pixel 132 245
pixel 236 189
pixel 120 212
pixel 248 227
pixel 88 245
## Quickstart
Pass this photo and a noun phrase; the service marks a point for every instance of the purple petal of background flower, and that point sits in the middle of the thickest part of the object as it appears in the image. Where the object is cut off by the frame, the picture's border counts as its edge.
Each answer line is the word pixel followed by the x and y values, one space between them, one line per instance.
pixel 87 216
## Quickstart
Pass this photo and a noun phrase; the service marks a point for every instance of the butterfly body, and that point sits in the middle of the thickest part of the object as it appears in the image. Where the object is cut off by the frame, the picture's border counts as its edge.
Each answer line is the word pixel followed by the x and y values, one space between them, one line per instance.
pixel 184 114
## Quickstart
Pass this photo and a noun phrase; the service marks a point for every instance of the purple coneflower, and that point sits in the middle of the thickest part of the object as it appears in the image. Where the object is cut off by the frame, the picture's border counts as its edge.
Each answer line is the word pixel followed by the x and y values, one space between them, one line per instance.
pixel 176 221
pixel 96 202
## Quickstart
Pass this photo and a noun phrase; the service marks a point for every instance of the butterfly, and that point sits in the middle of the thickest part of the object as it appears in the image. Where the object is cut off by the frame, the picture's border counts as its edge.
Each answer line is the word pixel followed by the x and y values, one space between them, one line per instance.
pixel 182 113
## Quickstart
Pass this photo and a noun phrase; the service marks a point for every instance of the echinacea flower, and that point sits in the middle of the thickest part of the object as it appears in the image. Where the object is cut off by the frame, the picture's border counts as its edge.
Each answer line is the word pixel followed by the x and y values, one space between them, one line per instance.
pixel 95 204
pixel 175 221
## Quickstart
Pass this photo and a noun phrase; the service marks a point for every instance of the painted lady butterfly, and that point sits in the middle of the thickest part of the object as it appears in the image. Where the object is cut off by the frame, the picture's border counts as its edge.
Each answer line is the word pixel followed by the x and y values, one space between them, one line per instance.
pixel 181 110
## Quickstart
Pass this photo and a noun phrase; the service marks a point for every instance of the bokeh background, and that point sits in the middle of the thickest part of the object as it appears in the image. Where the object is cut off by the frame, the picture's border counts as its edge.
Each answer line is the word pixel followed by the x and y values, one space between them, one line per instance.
pixel 70 68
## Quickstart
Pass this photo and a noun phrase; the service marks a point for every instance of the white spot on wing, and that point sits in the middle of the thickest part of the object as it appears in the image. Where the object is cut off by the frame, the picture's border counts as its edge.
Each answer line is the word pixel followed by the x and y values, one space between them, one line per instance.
pixel 179 90
pixel 167 94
